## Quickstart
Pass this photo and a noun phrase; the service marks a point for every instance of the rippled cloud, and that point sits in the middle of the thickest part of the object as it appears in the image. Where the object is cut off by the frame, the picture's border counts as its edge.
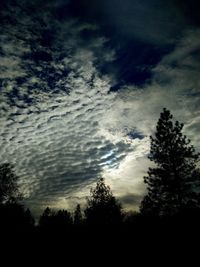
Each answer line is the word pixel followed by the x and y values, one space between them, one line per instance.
pixel 53 101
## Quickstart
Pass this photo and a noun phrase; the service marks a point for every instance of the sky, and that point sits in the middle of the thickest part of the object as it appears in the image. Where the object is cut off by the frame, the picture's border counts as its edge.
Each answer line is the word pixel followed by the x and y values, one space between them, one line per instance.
pixel 82 84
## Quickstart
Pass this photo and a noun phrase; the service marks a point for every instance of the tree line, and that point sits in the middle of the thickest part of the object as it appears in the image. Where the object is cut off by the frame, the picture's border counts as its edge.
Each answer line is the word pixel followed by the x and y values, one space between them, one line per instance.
pixel 173 190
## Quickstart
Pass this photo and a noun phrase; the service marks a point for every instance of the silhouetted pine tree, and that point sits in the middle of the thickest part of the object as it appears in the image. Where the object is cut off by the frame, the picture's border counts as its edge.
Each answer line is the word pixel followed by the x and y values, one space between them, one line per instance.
pixel 45 220
pixel 9 189
pixel 63 219
pixel 78 219
pixel 102 206
pixel 173 185
pixel 59 220
pixel 29 217
pixel 13 215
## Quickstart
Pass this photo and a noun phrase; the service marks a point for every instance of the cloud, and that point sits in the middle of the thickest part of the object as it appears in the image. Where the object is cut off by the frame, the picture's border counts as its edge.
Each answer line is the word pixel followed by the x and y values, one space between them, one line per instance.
pixel 155 21
pixel 131 202
pixel 59 143
pixel 135 112
pixel 175 84
pixel 150 21
pixel 52 109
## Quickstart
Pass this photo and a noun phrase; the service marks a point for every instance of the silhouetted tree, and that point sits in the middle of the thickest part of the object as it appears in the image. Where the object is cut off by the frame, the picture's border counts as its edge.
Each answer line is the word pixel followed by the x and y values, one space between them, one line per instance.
pixel 13 216
pixel 78 219
pixel 63 219
pixel 131 218
pixel 102 206
pixel 55 220
pixel 29 219
pixel 173 185
pixel 45 220
pixel 9 189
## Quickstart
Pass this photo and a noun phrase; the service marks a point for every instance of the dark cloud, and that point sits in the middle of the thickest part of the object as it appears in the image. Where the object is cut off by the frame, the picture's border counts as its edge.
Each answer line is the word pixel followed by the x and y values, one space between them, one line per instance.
pixel 140 32
pixel 152 21
pixel 131 200
pixel 189 10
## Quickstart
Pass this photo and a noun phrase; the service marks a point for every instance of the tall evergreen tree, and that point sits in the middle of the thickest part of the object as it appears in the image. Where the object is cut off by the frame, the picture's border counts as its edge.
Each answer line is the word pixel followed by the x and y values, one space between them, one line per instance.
pixel 78 219
pixel 9 189
pixel 173 185
pixel 102 207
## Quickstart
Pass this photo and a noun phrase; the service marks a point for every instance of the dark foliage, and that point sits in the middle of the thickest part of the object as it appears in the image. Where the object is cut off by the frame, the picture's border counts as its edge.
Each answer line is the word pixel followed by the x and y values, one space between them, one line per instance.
pixel 15 217
pixel 78 218
pixel 102 207
pixel 59 220
pixel 173 185
pixel 9 190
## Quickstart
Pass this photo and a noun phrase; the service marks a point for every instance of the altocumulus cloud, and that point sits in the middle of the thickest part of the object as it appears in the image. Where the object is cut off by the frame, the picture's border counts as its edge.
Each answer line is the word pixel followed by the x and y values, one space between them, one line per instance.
pixel 52 102
pixel 175 84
